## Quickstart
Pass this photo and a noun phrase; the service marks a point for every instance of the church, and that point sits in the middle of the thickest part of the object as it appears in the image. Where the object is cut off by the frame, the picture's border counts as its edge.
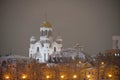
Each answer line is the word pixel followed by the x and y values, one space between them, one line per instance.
pixel 44 47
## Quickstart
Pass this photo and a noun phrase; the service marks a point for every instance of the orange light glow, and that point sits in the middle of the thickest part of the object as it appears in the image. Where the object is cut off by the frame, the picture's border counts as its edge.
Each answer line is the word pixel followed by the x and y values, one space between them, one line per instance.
pixel 7 76
pixel 88 76
pixel 62 76
pixel 74 76
pixel 47 76
pixel 109 75
pixel 102 63
pixel 24 76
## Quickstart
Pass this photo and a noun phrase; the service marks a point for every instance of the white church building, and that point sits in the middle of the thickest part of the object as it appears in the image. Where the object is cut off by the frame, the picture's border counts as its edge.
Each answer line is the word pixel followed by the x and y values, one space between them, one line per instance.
pixel 44 47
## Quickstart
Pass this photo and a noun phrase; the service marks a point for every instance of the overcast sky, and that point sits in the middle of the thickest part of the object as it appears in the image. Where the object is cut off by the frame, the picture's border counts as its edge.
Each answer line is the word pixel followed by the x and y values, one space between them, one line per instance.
pixel 91 23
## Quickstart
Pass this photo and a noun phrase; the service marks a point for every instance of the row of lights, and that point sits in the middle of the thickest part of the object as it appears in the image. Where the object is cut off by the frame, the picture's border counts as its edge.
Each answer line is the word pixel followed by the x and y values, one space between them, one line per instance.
pixel 62 76
pixel 24 76
pixel 75 76
pixel 7 77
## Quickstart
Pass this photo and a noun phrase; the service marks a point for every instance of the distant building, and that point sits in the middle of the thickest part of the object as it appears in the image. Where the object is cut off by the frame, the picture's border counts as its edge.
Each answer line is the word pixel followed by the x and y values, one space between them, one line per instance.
pixel 11 61
pixel 113 52
pixel 116 47
pixel 113 55
pixel 116 42
pixel 45 46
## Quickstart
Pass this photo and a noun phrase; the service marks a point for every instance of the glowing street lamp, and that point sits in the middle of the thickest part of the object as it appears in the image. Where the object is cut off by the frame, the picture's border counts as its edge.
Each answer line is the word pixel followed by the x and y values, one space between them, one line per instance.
pixel 24 76
pixel 7 77
pixel 88 76
pixel 109 75
pixel 102 63
pixel 62 76
pixel 80 62
pixel 47 77
pixel 74 76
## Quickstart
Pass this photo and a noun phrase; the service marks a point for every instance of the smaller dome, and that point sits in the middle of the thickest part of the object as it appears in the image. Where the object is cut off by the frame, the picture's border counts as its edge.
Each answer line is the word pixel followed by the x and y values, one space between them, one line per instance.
pixel 46 24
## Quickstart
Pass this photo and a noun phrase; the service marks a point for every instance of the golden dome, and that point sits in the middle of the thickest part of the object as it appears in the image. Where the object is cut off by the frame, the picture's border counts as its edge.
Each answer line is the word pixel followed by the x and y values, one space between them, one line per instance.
pixel 46 24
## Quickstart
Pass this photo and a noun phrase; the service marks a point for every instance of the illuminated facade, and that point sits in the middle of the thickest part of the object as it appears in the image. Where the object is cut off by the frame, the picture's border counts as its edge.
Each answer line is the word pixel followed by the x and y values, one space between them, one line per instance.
pixel 45 46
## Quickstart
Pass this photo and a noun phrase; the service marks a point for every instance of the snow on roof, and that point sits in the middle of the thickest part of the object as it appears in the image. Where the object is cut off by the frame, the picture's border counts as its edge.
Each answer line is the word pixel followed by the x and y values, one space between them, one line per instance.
pixel 14 56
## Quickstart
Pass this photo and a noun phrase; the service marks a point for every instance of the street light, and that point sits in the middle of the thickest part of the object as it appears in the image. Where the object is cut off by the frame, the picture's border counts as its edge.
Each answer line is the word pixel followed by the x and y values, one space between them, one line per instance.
pixel 102 63
pixel 62 76
pixel 80 62
pixel 7 77
pixel 47 77
pixel 24 76
pixel 88 76
pixel 109 75
pixel 74 76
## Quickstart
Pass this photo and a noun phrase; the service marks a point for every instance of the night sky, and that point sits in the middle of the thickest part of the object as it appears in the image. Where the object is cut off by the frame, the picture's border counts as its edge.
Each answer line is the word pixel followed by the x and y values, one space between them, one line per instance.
pixel 91 23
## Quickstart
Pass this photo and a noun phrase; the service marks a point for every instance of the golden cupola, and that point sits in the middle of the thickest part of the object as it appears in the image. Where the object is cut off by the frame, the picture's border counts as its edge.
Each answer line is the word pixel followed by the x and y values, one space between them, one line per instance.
pixel 46 24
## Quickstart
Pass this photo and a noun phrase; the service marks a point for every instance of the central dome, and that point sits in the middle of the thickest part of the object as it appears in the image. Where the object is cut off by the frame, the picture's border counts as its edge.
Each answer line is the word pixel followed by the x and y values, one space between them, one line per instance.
pixel 46 24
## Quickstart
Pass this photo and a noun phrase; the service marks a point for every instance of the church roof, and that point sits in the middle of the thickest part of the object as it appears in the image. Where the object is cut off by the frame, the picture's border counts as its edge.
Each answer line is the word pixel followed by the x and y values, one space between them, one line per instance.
pixel 14 56
pixel 46 24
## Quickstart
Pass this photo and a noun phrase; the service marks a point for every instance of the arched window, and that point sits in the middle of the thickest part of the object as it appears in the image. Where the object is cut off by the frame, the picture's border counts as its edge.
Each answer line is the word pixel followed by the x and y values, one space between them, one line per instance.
pixel 45 32
pixel 49 33
pixel 54 49
pixel 45 56
pixel 38 60
pixel 42 32
pixel 30 55
pixel 37 49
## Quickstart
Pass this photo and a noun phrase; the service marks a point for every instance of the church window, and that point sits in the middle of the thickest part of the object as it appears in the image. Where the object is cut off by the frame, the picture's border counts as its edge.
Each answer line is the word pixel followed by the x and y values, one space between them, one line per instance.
pixel 31 55
pixel 49 33
pixel 46 32
pixel 38 60
pixel 42 32
pixel 37 49
pixel 45 56
pixel 54 49
pixel 42 45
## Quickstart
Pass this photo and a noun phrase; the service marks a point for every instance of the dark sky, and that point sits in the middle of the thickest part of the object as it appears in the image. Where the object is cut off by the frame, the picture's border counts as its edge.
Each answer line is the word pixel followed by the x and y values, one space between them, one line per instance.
pixel 92 23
